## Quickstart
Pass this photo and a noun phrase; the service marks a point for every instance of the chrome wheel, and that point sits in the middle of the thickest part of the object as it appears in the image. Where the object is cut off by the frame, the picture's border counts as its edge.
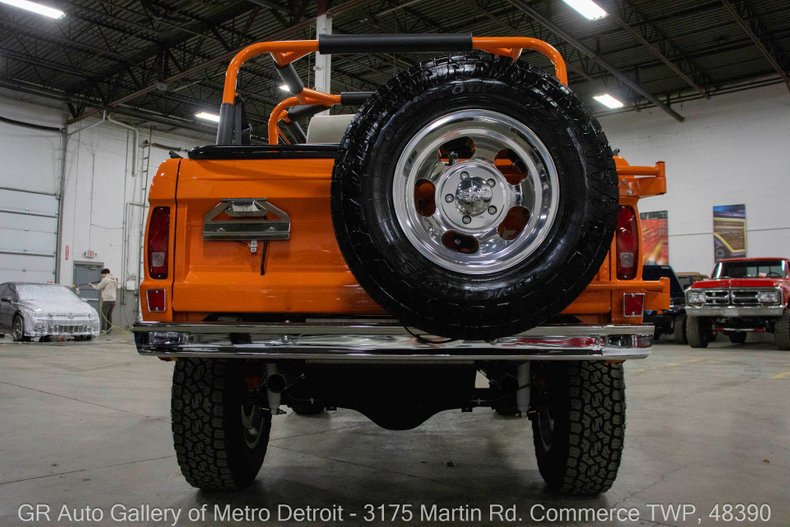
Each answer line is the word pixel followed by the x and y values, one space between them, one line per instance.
pixel 476 191
pixel 18 329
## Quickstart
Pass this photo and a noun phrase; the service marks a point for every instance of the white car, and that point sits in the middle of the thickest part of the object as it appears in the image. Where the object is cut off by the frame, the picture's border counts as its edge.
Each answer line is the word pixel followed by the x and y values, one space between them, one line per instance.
pixel 45 311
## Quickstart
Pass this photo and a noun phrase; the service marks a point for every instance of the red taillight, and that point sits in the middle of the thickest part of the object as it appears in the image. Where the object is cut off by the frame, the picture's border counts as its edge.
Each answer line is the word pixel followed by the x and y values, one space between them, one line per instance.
pixel 627 243
pixel 156 300
pixel 158 241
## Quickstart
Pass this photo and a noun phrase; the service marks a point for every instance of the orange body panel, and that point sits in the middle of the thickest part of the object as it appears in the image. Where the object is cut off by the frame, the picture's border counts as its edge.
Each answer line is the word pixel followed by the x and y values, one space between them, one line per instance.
pixel 307 274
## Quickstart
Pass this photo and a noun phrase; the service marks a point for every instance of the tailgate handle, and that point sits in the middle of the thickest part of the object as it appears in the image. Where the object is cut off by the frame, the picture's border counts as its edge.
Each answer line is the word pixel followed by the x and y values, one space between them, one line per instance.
pixel 246 219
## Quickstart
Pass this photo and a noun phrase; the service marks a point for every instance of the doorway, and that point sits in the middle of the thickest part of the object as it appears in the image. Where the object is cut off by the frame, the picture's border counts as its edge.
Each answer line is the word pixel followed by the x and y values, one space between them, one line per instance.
pixel 86 273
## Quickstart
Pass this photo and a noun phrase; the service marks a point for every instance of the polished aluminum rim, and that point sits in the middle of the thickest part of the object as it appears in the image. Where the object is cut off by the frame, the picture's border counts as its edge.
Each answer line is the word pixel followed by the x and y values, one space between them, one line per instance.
pixel 482 210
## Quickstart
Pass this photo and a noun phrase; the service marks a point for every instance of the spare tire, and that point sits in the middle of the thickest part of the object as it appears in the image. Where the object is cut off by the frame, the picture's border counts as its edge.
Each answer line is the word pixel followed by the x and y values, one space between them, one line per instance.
pixel 474 197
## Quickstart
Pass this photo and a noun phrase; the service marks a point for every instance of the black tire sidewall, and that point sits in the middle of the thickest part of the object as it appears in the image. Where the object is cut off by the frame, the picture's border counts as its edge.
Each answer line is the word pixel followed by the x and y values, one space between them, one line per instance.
pixel 207 429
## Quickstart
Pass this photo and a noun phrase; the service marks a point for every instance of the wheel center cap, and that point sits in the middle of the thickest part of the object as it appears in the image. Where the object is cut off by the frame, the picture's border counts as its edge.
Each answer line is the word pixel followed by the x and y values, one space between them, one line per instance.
pixel 473 195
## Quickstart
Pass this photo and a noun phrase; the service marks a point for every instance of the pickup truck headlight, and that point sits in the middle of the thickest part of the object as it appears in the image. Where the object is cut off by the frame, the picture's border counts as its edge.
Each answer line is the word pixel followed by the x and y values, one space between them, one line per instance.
pixel 695 298
pixel 768 297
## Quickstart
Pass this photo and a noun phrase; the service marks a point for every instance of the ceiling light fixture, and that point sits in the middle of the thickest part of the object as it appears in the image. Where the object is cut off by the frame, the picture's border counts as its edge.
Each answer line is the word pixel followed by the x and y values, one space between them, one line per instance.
pixel 587 8
pixel 284 87
pixel 206 116
pixel 34 7
pixel 609 101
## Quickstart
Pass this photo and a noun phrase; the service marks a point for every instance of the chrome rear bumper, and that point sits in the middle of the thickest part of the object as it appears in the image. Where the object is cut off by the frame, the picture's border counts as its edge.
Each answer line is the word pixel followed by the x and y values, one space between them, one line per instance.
pixel 374 341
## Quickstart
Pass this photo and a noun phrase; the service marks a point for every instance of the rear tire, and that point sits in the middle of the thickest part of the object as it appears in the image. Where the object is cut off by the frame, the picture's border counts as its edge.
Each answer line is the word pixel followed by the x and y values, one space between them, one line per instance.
pixel 579 425
pixel 679 329
pixel 446 256
pixel 782 331
pixel 220 428
pixel 307 407
pixel 699 332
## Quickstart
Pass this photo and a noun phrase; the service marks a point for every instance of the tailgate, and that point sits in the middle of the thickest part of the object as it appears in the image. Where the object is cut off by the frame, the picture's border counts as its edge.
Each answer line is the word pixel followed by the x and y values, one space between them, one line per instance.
pixel 251 258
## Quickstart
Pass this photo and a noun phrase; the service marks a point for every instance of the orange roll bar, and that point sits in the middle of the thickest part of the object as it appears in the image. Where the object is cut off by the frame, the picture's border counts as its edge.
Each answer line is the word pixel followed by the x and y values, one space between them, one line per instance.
pixel 287 51
pixel 283 51
pixel 512 46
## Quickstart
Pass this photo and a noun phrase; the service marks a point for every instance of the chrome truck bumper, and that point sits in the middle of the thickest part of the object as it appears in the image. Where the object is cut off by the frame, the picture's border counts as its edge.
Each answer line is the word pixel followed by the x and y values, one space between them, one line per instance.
pixel 371 341
pixel 735 311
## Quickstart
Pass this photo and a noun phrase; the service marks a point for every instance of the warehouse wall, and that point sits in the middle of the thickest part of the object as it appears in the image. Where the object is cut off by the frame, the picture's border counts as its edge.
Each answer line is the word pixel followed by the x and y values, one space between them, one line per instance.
pixel 100 180
pixel 731 149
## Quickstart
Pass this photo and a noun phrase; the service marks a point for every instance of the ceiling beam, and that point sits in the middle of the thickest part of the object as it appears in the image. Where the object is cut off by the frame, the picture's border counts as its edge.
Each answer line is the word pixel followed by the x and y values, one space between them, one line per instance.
pixel 217 60
pixel 651 37
pixel 746 18
pixel 567 37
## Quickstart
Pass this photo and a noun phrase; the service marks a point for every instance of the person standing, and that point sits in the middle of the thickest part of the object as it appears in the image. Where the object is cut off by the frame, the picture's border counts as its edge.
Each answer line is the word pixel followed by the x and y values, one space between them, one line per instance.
pixel 107 289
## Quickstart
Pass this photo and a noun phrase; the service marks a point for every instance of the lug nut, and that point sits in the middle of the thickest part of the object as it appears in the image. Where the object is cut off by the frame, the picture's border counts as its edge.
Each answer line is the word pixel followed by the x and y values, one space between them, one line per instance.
pixel 492 210
pixel 449 198
pixel 464 175
pixel 491 182
pixel 466 219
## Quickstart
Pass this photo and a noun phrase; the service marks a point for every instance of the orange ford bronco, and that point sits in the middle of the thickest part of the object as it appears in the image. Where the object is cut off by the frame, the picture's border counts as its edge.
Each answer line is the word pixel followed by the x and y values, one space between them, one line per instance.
pixel 470 218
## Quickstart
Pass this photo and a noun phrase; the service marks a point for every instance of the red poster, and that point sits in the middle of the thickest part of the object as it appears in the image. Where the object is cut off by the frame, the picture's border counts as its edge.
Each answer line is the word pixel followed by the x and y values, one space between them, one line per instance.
pixel 655 238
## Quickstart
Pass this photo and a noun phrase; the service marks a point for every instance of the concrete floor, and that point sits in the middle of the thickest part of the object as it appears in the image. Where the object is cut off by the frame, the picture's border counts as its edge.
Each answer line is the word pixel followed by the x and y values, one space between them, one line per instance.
pixel 87 424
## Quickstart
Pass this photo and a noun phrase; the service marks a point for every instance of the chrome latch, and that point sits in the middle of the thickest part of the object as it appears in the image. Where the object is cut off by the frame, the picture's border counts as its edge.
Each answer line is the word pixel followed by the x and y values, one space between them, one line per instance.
pixel 245 219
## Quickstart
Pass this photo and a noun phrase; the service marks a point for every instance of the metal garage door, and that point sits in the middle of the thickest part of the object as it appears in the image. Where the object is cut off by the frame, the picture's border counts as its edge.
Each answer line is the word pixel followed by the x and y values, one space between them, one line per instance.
pixel 28 235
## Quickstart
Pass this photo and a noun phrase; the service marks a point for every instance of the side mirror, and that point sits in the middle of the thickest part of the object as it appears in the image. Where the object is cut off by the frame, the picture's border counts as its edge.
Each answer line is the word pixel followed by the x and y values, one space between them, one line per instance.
pixel 6 299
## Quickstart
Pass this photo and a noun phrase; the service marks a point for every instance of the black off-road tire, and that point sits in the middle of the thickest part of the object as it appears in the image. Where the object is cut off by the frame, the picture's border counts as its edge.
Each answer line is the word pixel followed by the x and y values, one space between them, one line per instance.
pixel 782 331
pixel 737 337
pixel 580 455
pixel 698 332
pixel 433 298
pixel 207 426
pixel 679 329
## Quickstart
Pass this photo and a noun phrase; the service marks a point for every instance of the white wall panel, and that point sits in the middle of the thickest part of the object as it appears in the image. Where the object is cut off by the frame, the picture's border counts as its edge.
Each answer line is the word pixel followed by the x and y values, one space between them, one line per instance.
pixel 731 149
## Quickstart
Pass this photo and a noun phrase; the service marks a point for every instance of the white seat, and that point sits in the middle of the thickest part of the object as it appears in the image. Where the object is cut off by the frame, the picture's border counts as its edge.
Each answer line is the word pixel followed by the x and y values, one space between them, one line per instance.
pixel 328 129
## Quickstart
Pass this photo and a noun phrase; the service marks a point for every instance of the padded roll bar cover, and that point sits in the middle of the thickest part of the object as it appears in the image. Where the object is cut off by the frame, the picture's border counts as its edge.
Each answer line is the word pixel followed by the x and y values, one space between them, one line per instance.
pixel 225 125
pixel 305 110
pixel 394 43
pixel 353 98
pixel 291 78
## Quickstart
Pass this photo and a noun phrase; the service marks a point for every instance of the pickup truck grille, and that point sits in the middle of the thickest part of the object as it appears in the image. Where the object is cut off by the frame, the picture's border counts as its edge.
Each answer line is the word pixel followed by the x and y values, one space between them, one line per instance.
pixel 731 297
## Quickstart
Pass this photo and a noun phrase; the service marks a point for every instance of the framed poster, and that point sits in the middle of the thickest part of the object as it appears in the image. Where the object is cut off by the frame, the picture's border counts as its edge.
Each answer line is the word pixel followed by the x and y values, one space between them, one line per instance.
pixel 655 237
pixel 729 231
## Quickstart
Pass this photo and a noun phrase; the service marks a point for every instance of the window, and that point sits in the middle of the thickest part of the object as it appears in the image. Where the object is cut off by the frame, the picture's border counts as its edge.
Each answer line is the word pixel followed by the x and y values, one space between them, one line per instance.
pixel 751 269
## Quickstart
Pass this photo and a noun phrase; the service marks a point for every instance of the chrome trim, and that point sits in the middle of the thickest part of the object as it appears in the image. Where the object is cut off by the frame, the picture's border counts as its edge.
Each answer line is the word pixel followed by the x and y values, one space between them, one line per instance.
pixel 251 220
pixel 734 296
pixel 734 311
pixel 364 341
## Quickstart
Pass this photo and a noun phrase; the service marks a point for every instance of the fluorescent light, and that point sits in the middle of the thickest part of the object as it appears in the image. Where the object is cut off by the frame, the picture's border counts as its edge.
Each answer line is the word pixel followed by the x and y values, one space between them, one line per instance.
pixel 51 12
pixel 214 118
pixel 609 101
pixel 587 8
pixel 284 87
